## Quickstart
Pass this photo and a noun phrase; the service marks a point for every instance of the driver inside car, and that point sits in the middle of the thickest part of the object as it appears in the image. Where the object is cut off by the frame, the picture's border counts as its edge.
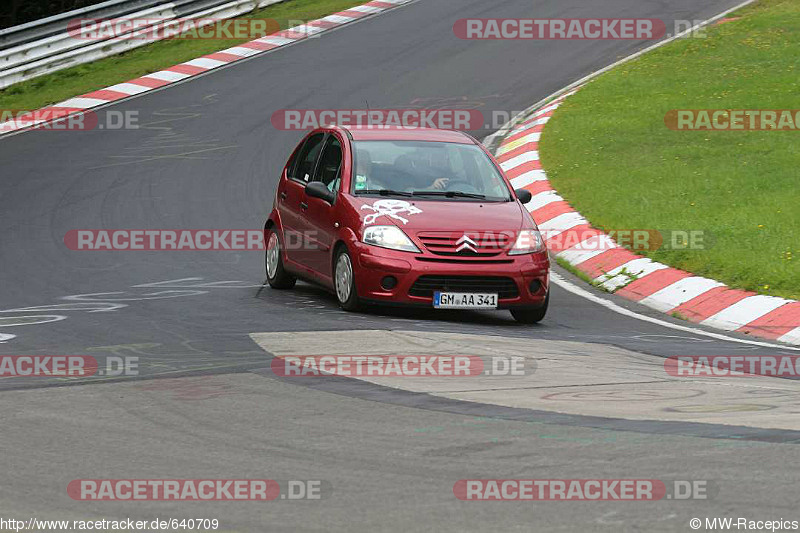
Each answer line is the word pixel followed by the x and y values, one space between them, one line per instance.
pixel 364 172
pixel 428 171
pixel 440 166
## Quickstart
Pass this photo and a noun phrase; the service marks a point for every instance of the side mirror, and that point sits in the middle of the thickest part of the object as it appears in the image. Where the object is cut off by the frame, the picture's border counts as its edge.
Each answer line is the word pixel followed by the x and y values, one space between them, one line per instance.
pixel 317 189
pixel 524 195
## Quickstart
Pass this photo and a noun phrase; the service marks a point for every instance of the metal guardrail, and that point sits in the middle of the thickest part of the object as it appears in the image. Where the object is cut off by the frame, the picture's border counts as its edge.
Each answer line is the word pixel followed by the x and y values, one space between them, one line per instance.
pixel 53 25
pixel 54 48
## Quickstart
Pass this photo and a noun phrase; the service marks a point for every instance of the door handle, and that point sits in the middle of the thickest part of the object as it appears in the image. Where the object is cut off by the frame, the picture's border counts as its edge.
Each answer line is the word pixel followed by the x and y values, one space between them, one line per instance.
pixel 303 206
pixel 283 196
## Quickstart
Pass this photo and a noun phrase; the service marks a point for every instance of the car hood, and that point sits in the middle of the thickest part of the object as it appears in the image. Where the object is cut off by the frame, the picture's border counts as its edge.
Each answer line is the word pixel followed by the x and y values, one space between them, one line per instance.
pixel 416 215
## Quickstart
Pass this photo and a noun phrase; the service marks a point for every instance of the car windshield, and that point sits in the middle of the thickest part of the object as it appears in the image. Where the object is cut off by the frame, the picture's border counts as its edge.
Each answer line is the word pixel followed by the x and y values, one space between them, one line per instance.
pixel 436 170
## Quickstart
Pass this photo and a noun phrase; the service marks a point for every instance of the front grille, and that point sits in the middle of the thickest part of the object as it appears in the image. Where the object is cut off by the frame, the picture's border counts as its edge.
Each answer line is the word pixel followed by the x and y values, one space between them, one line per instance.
pixel 465 260
pixel 426 285
pixel 469 244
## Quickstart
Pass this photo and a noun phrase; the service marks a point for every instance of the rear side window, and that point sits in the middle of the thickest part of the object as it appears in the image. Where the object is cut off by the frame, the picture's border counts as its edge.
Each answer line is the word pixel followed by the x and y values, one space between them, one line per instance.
pixel 303 166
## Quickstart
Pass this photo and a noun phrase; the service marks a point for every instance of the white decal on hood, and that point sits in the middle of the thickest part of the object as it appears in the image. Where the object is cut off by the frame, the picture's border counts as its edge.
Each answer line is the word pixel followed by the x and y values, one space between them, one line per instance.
pixel 390 208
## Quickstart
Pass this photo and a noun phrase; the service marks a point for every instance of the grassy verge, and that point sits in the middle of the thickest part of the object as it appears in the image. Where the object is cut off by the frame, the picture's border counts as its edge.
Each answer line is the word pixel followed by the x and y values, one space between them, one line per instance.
pixel 81 79
pixel 608 151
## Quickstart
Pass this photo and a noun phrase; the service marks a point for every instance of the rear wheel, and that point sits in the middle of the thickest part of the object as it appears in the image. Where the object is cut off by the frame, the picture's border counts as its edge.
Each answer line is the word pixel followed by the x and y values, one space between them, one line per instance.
pixel 277 276
pixel 345 281
pixel 531 316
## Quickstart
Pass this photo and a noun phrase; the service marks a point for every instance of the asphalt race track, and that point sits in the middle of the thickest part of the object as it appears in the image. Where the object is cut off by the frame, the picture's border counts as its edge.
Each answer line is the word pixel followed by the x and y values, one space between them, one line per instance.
pixel 206 156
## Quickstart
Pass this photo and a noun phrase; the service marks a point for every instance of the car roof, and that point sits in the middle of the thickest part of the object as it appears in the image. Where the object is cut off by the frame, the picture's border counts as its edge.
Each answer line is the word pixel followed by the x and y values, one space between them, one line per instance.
pixel 396 133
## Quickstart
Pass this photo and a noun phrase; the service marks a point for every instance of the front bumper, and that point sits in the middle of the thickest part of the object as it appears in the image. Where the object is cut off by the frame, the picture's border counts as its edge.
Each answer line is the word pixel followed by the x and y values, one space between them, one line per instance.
pixel 530 274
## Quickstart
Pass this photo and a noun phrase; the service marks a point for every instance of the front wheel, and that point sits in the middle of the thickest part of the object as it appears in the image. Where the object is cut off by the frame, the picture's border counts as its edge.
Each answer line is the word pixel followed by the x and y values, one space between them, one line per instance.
pixel 531 316
pixel 277 276
pixel 345 281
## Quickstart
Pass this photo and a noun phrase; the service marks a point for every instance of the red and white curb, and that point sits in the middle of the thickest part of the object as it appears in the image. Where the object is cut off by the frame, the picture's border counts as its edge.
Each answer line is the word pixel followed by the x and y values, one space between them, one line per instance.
pixel 658 286
pixel 198 66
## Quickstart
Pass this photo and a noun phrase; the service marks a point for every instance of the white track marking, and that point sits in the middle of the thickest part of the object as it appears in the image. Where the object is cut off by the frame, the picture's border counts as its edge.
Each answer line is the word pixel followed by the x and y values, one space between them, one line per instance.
pixel 305 29
pixel 587 249
pixel 205 62
pixel 542 199
pixel 579 291
pixel 167 75
pixel 514 162
pixel 744 311
pixel 102 296
pixel 193 283
pixel 679 293
pixel 365 9
pixel 531 138
pixel 562 223
pixel 127 88
pixel 576 257
pixel 529 177
pixel 80 103
pixel 530 125
pixel 89 307
pixel 546 110
pixel 13 125
pixel 338 19
pixel 280 41
pixel 241 51
pixel 640 268
pixel 791 337
pixel 90 303
pixel 29 320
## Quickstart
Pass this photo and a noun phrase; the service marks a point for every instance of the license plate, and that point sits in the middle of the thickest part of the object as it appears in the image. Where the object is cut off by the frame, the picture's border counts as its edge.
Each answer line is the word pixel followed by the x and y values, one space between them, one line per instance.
pixel 464 300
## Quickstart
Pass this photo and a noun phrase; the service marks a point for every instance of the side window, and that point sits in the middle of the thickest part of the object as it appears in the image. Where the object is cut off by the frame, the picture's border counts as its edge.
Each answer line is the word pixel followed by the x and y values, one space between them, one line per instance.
pixel 303 167
pixel 329 170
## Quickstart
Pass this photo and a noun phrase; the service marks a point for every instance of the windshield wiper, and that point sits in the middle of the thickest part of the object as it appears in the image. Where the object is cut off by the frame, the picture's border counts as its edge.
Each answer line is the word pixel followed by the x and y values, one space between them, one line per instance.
pixel 450 194
pixel 384 192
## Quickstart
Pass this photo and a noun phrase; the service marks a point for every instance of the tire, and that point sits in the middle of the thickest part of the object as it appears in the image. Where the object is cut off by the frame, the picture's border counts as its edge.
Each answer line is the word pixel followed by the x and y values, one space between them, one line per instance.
pixel 344 281
pixel 277 276
pixel 531 316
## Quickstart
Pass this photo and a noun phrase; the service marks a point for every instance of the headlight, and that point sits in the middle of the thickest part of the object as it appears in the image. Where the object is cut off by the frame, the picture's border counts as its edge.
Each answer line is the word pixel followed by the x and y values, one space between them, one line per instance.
pixel 529 241
pixel 390 237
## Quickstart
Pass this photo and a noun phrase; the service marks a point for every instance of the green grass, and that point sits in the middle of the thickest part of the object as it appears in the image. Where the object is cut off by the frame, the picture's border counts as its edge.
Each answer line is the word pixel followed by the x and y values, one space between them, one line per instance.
pixel 81 79
pixel 608 151
pixel 679 316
